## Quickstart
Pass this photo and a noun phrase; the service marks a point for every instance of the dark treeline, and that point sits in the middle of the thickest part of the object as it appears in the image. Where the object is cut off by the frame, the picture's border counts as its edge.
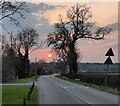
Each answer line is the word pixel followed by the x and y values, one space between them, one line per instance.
pixel 13 67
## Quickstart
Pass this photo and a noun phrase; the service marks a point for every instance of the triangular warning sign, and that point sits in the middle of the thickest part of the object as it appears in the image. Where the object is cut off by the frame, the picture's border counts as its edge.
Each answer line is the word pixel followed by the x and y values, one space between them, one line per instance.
pixel 109 52
pixel 108 61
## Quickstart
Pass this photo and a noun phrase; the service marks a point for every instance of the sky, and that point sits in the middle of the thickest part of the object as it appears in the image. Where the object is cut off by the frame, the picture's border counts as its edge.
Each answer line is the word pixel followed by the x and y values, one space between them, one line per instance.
pixel 43 15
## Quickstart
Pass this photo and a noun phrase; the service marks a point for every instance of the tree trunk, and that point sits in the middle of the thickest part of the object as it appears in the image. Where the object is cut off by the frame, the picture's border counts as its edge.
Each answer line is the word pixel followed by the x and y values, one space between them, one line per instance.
pixel 20 65
pixel 73 66
pixel 26 62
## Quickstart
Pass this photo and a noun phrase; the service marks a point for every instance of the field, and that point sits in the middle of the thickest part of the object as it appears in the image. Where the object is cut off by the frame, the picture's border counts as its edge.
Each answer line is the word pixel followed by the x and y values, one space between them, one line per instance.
pixel 15 95
pixel 97 67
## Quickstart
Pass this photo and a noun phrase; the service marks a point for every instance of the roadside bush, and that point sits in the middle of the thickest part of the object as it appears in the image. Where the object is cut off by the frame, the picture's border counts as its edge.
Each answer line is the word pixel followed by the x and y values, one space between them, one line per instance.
pixel 113 80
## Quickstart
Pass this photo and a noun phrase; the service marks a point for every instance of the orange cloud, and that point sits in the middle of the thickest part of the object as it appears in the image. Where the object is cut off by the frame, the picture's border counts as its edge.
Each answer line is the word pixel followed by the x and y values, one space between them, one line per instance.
pixel 104 13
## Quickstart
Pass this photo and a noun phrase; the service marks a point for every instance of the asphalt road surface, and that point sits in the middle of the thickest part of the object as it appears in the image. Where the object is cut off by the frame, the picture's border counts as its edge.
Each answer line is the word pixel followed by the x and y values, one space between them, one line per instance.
pixel 56 91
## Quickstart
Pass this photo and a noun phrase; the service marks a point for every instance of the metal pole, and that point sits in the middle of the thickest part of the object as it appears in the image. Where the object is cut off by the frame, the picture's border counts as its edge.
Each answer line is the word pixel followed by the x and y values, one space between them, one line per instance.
pixel 106 77
pixel 24 101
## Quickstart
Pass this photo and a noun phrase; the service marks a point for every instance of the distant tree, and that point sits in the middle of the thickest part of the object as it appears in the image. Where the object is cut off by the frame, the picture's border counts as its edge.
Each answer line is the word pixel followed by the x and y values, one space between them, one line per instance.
pixel 25 40
pixel 61 65
pixel 42 67
pixel 8 63
pixel 75 26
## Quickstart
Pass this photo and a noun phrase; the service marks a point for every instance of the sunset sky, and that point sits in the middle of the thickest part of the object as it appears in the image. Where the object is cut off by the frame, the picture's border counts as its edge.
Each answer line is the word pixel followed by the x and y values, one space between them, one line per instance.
pixel 43 16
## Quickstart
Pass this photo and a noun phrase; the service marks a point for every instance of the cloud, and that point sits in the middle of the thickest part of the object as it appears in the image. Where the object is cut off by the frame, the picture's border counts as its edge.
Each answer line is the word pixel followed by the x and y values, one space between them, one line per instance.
pixel 104 13
pixel 98 9
pixel 41 6
pixel 49 12
pixel 44 29
pixel 39 24
pixel 31 20
pixel 114 26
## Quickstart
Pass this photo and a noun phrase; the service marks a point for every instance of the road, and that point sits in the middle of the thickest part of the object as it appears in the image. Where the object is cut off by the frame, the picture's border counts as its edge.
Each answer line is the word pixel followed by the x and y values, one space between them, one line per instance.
pixel 56 91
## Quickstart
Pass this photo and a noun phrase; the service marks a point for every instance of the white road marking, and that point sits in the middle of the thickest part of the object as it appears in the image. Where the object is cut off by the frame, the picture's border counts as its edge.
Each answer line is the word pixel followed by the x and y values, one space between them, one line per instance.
pixel 64 87
pixel 80 98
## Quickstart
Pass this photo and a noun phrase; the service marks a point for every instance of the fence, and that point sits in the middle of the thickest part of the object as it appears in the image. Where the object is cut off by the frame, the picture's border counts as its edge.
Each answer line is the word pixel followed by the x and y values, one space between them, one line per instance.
pixel 29 94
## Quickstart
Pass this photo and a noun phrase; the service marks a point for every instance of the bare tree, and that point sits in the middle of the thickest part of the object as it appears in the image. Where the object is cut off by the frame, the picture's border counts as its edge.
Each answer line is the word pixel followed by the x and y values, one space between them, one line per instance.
pixel 24 43
pixel 76 26
pixel 26 39
pixel 10 9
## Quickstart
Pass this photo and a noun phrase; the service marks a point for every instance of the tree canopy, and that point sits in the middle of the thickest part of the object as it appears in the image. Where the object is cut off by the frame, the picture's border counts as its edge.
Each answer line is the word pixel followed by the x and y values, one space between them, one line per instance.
pixel 75 26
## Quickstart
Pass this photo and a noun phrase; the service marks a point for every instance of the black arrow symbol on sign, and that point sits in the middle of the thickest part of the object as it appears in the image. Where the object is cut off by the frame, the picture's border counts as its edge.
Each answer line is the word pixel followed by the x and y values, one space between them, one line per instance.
pixel 109 52
pixel 108 61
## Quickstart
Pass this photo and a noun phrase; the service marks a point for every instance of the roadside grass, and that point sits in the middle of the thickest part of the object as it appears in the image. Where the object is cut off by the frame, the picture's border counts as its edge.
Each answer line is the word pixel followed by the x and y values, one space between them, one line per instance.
pixel 31 79
pixel 15 94
pixel 0 95
pixel 103 88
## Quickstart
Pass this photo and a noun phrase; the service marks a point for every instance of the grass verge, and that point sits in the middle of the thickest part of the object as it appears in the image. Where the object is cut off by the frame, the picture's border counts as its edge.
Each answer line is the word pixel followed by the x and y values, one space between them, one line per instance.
pixel 103 88
pixel 15 95
pixel 0 95
pixel 31 79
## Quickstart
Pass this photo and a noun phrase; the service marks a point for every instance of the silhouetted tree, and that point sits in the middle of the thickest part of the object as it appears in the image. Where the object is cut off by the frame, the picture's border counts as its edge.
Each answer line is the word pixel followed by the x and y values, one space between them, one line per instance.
pixel 8 63
pixel 11 8
pixel 75 26
pixel 25 40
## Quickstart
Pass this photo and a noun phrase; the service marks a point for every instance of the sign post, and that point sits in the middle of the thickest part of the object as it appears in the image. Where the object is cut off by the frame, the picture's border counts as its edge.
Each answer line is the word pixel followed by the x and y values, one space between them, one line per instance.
pixel 108 61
